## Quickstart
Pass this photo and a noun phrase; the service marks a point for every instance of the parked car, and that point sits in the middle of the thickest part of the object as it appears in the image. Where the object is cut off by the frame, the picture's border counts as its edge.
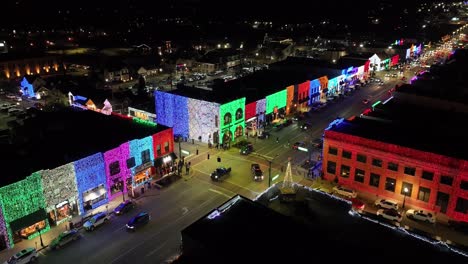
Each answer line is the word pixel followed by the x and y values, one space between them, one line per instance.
pixel 357 204
pixel 247 149
pixel 95 221
pixel 257 173
pixel 298 116
pixel 264 134
pixel 65 238
pixel 386 204
pixel 323 189
pixel 390 214
pixel 220 173
pixel 27 255
pixel 124 207
pixel 344 192
pixel 421 215
pixel 138 221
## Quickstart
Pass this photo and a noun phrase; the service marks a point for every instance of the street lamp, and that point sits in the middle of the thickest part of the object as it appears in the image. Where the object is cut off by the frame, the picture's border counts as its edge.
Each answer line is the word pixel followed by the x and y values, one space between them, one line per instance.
pixel 405 192
pixel 40 236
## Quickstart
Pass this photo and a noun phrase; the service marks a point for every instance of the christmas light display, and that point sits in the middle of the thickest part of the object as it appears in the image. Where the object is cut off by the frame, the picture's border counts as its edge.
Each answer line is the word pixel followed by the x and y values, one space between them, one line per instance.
pixel 333 85
pixel 164 108
pixel 21 199
pixel 395 60
pixel 323 83
pixel 314 91
pixel 27 88
pixel 143 122
pixel 160 138
pixel 375 61
pixel 303 91
pixel 250 110
pixel 289 98
pixel 261 108
pixel 137 146
pixel 232 118
pixel 59 185
pixel 120 154
pixel 276 100
pixel 3 228
pixel 107 108
pixel 204 120
pixel 90 173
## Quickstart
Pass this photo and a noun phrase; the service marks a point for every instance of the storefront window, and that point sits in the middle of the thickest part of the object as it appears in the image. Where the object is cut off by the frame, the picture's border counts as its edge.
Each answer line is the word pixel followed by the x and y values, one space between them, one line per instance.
pixel 166 147
pixel 26 232
pixel 114 168
pixel 94 196
pixel 63 211
pixel 158 150
pixel 145 156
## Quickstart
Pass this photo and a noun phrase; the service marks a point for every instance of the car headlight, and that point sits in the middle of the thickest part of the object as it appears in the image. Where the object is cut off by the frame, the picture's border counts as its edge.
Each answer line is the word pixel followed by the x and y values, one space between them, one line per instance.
pixel 117 212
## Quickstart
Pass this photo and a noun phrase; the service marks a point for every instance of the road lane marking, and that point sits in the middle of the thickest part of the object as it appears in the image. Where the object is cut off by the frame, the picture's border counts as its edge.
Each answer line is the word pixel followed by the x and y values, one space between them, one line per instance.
pixel 162 230
pixel 218 192
pixel 156 249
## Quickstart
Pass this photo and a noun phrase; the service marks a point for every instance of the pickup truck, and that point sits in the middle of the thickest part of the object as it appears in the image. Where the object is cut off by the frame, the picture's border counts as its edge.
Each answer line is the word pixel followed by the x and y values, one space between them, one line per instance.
pixel 220 173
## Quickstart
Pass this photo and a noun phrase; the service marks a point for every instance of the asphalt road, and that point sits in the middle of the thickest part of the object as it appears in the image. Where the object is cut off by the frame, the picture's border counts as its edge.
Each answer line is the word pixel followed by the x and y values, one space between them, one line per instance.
pixel 171 210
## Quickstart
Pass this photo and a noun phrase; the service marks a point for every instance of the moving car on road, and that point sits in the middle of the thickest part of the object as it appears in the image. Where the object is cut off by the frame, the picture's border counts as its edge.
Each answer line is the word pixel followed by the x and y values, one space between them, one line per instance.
pixel 124 207
pixel 297 145
pixel 257 173
pixel 317 143
pixel 264 134
pixel 95 221
pixel 65 238
pixel 390 214
pixel 220 173
pixel 421 215
pixel 26 255
pixel 138 221
pixel 246 149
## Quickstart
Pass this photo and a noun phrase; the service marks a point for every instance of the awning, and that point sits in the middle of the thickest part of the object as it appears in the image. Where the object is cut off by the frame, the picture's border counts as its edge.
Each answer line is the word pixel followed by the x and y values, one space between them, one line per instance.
pixel 160 161
pixel 28 220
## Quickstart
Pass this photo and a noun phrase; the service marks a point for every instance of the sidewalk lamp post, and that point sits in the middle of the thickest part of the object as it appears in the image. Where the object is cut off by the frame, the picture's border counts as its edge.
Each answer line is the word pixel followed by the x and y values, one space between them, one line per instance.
pixel 405 192
pixel 38 229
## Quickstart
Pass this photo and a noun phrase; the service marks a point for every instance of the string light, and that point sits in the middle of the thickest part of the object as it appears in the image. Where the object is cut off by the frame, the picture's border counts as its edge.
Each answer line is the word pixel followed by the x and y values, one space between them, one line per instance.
pixel 201 119
pixel 277 99
pixel 89 173
pixel 120 154
pixel 236 109
pixel 59 185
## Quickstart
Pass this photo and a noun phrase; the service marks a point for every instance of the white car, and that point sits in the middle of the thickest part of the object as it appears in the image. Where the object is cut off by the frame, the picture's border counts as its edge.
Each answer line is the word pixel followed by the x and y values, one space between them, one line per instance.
pixel 386 204
pixel 421 215
pixel 390 214
pixel 95 221
pixel 27 255
pixel 344 191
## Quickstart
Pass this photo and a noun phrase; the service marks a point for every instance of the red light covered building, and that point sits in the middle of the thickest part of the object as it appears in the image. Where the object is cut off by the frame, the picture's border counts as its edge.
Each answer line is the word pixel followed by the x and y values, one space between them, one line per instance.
pixel 400 147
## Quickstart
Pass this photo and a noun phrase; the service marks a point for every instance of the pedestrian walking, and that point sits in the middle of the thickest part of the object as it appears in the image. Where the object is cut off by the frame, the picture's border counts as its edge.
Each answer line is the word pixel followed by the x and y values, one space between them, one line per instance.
pixel 277 139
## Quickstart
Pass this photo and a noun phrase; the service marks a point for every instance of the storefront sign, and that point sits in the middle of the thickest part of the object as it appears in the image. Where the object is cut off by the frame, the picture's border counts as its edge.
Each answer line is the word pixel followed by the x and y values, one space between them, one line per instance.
pixel 143 166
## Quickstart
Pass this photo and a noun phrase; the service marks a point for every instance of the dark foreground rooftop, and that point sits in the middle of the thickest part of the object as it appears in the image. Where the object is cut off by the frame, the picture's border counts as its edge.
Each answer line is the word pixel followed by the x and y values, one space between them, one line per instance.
pixel 243 231
pixel 52 139
pixel 422 128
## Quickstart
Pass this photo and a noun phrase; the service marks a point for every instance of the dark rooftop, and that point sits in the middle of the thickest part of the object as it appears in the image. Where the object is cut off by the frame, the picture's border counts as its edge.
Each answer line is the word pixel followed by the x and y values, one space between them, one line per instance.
pixel 52 139
pixel 13 56
pixel 253 87
pixel 215 56
pixel 317 227
pixel 314 68
pixel 422 128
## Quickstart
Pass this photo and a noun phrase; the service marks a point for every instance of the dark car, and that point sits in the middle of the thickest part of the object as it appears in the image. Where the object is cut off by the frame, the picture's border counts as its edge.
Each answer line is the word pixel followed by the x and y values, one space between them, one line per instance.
pixel 124 207
pixel 257 173
pixel 298 145
pixel 317 143
pixel 220 172
pixel 247 149
pixel 138 221
pixel 287 122
pixel 65 238
pixel 264 134
pixel 305 126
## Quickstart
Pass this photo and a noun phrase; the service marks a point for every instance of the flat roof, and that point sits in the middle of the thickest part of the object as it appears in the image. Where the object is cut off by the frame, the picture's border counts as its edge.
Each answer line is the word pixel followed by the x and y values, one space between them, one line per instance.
pixel 413 126
pixel 52 139
pixel 311 228
pixel 254 87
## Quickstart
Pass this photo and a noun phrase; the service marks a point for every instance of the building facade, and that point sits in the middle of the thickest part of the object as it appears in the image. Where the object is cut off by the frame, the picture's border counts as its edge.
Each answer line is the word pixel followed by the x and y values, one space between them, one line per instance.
pixel 431 181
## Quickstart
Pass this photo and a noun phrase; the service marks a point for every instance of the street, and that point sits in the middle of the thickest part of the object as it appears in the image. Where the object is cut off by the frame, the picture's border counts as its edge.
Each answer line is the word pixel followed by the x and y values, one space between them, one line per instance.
pixel 171 210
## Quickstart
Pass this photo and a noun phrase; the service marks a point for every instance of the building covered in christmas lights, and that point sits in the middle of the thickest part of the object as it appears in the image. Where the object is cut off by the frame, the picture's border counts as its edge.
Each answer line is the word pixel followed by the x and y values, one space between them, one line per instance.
pixel 61 164
pixel 411 148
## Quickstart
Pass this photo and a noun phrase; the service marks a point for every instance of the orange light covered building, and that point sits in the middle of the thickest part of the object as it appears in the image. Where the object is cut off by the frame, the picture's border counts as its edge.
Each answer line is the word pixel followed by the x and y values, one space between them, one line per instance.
pixel 391 151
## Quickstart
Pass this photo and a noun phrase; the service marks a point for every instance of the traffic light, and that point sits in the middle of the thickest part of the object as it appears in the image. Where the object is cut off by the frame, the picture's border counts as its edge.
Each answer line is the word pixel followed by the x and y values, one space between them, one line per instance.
pixel 219 159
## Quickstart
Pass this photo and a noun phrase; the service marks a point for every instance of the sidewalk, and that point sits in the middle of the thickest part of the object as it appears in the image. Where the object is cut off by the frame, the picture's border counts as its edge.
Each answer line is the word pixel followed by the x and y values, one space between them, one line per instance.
pixel 56 230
